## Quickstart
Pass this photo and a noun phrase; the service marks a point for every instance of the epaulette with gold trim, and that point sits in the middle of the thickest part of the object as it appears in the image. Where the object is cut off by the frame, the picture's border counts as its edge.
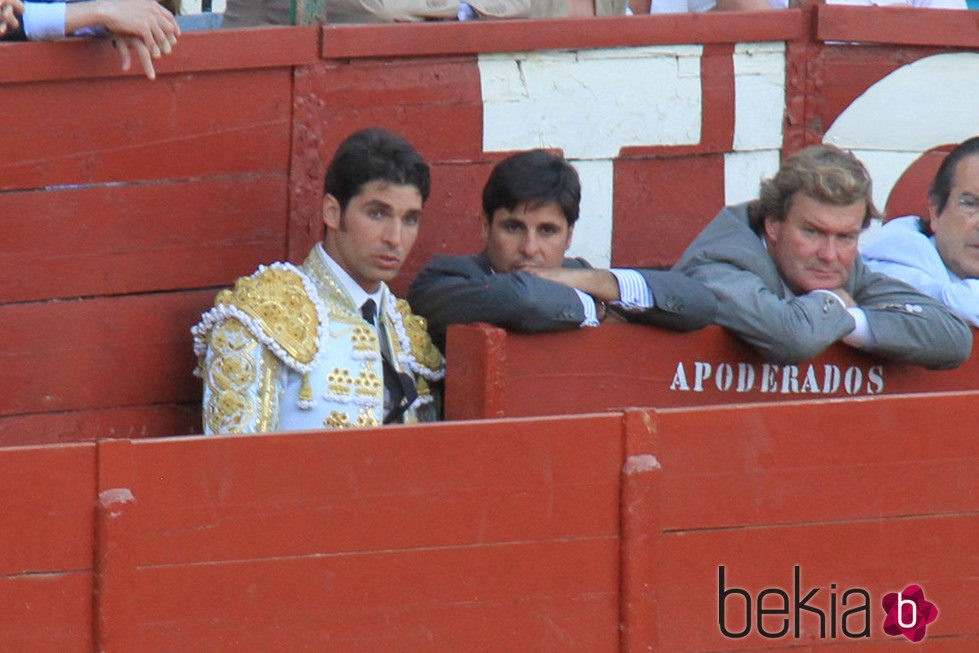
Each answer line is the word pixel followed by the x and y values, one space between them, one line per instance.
pixel 422 348
pixel 279 306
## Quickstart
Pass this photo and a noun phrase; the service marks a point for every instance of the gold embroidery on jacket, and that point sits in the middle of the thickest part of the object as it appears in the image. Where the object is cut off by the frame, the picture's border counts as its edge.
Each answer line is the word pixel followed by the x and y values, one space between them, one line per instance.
pixel 337 420
pixel 268 395
pixel 367 418
pixel 339 381
pixel 277 299
pixel 229 376
pixel 422 347
pixel 367 383
pixel 364 338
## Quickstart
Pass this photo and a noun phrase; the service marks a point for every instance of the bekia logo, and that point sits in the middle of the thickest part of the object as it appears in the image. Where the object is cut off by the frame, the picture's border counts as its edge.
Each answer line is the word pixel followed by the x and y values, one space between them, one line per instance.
pixel 777 612
pixel 908 613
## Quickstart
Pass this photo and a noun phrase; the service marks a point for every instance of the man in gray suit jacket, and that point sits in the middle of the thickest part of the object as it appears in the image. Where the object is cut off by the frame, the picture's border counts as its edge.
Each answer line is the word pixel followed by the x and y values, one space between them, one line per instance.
pixel 522 280
pixel 788 279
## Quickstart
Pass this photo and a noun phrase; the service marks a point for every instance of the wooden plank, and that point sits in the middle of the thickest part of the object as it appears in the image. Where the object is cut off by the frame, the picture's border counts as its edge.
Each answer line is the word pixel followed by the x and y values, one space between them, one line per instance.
pixel 475 381
pixel 195 52
pixel 897 26
pixel 426 39
pixel 791 463
pixel 89 425
pixel 527 596
pixel 46 499
pixel 652 195
pixel 839 73
pixel 414 97
pixel 427 535
pixel 640 534
pixel 228 498
pixel 643 366
pixel 180 126
pixel 879 556
pixel 99 353
pixel 453 221
pixel 409 96
pixel 46 613
pixel 139 237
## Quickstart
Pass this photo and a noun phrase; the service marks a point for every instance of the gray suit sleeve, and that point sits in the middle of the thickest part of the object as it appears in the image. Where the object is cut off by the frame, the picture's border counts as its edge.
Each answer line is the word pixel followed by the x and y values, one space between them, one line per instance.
pixel 680 303
pixel 455 290
pixel 908 325
pixel 784 331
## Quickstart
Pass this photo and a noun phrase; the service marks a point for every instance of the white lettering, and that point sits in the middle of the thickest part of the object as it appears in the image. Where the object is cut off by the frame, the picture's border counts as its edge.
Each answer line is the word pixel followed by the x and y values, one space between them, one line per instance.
pixel 810 385
pixel 831 382
pixel 768 374
pixel 781 379
pixel 790 379
pixel 679 379
pixel 724 378
pixel 746 377
pixel 701 371
pixel 853 380
pixel 875 380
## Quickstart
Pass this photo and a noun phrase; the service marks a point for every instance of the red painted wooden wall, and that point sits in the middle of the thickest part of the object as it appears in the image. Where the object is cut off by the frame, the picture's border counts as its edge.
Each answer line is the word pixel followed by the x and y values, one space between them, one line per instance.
pixel 493 373
pixel 584 533
pixel 126 204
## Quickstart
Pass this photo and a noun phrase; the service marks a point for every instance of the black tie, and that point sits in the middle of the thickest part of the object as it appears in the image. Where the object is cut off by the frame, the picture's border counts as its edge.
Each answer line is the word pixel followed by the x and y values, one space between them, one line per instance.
pixel 399 386
pixel 368 311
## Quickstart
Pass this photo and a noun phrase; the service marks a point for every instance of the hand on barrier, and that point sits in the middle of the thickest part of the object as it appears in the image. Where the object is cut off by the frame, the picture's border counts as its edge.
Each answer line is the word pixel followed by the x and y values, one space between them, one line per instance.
pixel 8 19
pixel 142 26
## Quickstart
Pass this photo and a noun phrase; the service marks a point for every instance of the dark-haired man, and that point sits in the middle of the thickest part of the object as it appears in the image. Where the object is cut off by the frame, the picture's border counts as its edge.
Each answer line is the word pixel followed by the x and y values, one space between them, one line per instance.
pixel 940 255
pixel 522 280
pixel 326 345
pixel 788 279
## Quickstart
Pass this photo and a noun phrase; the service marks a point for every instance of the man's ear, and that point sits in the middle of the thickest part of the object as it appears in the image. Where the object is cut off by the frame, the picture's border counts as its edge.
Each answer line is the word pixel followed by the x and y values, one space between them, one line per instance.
pixel 567 245
pixel 331 212
pixel 771 231
pixel 486 227
pixel 932 212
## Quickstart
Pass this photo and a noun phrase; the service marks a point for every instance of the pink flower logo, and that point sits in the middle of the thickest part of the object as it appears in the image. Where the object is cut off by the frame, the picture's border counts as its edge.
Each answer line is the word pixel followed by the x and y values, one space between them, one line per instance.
pixel 908 613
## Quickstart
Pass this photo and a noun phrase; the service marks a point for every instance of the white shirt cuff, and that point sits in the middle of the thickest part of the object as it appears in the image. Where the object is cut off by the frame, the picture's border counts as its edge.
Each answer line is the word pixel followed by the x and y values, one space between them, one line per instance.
pixel 861 336
pixel 44 21
pixel 634 294
pixel 591 313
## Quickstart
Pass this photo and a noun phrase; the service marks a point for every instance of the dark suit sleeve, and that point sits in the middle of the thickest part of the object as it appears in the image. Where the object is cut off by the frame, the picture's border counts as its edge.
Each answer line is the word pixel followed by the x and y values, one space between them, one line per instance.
pixel 455 290
pixel 680 303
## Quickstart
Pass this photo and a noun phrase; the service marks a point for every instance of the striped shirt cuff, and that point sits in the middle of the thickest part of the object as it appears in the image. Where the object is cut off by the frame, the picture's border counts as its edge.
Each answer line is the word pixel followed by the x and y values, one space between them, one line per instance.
pixel 591 312
pixel 634 294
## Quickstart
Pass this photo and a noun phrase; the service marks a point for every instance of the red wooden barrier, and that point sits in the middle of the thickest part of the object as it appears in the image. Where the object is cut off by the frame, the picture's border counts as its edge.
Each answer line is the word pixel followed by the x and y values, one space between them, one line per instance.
pixel 873 495
pixel 46 544
pixel 587 533
pixel 122 217
pixel 423 538
pixel 493 373
pixel 125 204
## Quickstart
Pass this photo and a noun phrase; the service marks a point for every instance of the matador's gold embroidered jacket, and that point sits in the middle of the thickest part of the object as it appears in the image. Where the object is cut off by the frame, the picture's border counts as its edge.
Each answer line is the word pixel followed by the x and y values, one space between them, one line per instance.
pixel 286 349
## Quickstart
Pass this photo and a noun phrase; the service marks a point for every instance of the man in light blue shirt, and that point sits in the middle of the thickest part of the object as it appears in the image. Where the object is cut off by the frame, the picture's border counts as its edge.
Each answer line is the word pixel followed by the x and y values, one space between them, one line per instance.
pixel 939 255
